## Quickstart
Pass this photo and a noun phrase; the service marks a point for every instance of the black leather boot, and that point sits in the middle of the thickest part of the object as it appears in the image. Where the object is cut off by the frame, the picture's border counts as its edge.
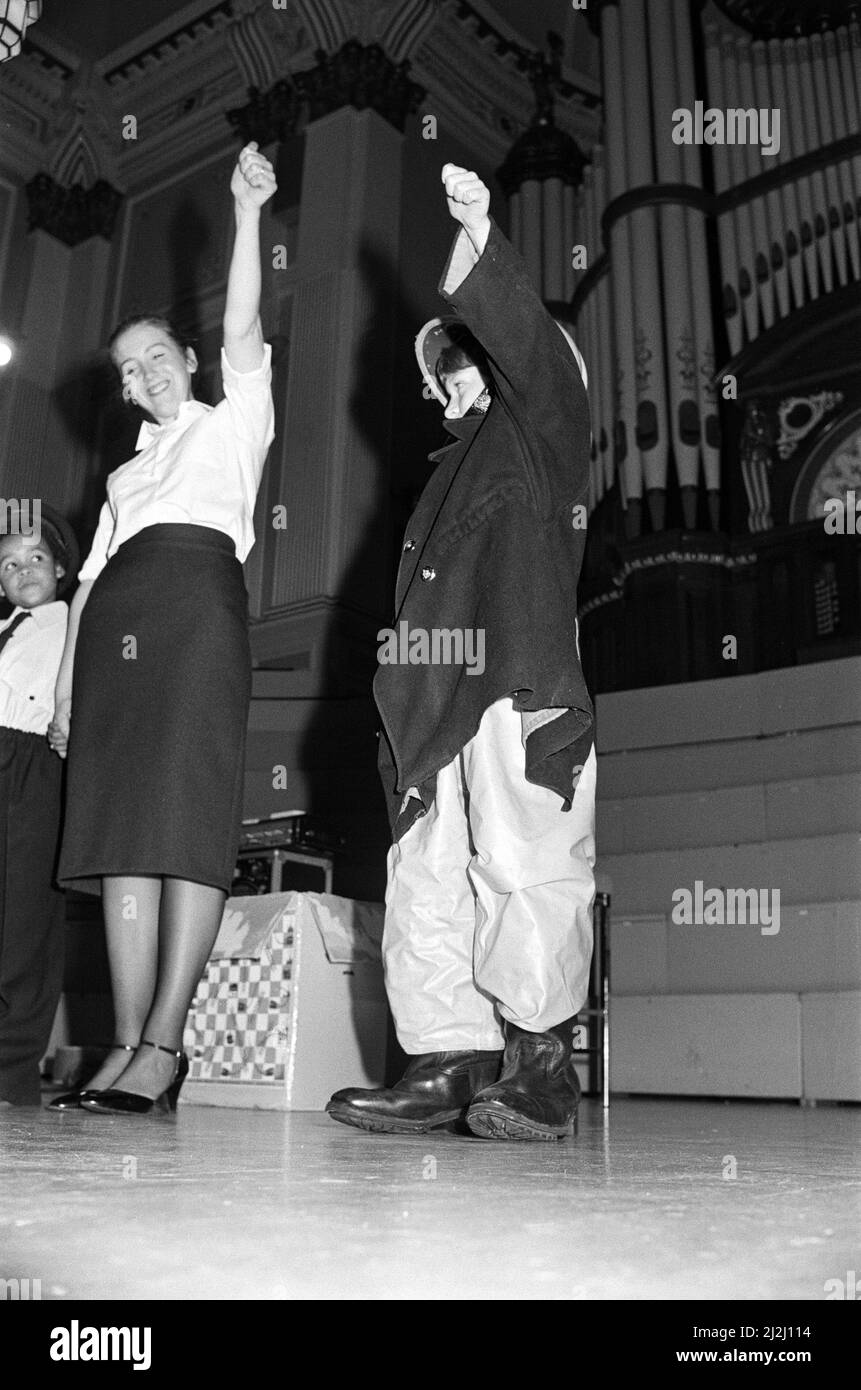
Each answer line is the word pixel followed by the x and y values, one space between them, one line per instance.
pixel 537 1094
pixel 435 1090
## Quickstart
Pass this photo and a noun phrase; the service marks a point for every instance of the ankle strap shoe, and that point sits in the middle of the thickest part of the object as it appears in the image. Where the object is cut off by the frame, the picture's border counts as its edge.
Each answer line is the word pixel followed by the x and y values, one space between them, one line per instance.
pixel 71 1100
pixel 116 1102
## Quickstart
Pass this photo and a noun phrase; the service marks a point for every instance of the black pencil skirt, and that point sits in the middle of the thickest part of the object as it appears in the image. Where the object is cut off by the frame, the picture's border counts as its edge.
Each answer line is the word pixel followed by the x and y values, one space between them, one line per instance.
pixel 160 697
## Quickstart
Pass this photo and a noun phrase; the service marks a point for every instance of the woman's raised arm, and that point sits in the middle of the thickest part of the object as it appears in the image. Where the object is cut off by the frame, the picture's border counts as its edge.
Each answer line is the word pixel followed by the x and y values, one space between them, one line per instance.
pixel 252 184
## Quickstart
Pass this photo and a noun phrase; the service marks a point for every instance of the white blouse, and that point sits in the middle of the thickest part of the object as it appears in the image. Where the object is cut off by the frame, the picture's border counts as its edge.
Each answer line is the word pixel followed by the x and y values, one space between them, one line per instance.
pixel 203 468
pixel 29 663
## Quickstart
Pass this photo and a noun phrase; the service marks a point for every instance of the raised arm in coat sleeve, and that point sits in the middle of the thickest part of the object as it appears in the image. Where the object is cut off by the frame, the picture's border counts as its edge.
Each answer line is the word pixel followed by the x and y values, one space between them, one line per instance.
pixel 535 371
pixel 495 297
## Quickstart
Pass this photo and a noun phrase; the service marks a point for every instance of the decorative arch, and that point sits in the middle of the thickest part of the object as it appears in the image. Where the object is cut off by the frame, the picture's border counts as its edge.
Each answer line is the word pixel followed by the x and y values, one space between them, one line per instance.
pixel 76 159
pixel 333 22
pixel 326 22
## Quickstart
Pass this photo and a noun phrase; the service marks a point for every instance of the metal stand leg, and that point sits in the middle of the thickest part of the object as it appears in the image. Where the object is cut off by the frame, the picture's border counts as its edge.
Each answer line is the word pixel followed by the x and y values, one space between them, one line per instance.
pixel 597 1010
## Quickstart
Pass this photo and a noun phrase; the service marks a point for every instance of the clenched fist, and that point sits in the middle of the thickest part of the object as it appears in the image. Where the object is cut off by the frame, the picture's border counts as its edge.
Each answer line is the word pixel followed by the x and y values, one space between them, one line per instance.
pixel 468 198
pixel 253 181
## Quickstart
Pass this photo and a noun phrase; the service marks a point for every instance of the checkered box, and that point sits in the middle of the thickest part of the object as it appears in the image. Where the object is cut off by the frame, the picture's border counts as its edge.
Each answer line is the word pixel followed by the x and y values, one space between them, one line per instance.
pixel 292 1004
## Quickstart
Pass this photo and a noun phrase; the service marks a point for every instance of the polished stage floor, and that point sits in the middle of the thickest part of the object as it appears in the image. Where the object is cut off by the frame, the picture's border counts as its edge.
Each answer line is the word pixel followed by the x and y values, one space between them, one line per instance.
pixel 663 1199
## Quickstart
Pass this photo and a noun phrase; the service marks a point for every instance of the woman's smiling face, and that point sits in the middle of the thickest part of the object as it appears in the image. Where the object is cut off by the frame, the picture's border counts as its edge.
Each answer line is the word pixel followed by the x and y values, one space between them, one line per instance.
pixel 155 372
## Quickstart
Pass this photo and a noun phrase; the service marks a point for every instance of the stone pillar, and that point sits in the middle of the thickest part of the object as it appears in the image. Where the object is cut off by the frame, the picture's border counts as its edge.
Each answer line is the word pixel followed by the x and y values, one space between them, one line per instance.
pixel 327 576
pixel 326 579
pixel 335 455
pixel 47 428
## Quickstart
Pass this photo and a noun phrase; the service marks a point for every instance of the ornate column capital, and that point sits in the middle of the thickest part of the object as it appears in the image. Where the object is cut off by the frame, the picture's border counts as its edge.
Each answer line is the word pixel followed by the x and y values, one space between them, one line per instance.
pixel 359 75
pixel 72 214
pixel 268 116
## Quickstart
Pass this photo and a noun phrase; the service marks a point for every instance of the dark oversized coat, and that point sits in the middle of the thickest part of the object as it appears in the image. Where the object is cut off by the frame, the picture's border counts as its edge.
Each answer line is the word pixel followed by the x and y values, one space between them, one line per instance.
pixel 496 543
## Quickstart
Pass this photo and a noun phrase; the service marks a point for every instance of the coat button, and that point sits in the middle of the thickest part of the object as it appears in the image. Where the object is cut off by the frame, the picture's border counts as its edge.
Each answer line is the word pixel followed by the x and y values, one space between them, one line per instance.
pixel 409 545
pixel 428 574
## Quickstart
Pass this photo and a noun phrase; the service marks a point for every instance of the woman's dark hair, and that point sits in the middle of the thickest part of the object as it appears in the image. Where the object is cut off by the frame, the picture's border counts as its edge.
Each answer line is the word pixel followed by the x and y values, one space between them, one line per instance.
pixel 182 340
pixel 464 351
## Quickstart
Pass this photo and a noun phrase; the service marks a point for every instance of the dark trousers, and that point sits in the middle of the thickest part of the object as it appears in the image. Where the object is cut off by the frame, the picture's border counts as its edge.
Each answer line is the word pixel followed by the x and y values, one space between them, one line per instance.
pixel 32 910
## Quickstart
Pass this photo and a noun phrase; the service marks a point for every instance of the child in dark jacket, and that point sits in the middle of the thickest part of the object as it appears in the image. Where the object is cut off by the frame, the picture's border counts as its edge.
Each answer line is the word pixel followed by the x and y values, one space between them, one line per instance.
pixel 489 766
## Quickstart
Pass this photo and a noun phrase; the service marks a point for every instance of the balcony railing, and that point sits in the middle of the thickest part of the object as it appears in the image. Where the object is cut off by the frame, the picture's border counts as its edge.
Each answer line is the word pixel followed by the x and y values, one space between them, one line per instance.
pixel 698 606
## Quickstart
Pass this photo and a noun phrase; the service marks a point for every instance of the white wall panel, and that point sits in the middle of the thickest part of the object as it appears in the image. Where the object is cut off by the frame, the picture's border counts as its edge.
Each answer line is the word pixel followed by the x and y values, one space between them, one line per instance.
pixel 831 1046
pixel 718 1045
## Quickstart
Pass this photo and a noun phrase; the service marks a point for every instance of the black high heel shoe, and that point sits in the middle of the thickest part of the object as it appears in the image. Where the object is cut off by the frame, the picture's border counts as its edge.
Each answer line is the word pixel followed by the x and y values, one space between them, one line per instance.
pixel 72 1100
pixel 115 1102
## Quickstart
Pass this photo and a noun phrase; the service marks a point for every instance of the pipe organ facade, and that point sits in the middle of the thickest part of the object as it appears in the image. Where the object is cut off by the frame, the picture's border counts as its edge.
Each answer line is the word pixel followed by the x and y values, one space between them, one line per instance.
pixel 724 294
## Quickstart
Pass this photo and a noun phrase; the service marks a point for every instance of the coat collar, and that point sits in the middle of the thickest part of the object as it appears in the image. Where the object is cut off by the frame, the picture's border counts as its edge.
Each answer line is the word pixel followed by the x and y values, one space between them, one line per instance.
pixel 466 427
pixel 464 431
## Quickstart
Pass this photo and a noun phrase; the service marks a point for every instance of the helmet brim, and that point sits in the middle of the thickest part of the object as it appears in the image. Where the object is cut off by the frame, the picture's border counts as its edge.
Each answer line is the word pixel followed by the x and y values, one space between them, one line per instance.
pixel 430 342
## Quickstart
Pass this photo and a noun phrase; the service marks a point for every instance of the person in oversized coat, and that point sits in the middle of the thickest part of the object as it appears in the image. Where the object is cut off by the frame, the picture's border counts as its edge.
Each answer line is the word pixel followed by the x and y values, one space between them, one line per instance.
pixel 486 751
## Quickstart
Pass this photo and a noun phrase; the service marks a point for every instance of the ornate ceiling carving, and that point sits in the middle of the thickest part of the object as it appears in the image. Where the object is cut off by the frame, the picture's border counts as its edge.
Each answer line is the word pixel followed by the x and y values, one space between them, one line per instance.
pixel 180 84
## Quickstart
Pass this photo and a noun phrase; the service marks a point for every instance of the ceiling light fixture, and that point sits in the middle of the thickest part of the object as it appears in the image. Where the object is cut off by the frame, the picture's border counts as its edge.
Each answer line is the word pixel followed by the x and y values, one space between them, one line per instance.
pixel 15 17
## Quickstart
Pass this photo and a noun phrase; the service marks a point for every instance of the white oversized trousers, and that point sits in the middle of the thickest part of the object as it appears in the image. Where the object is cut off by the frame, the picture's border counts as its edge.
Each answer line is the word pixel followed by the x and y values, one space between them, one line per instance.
pixel 489 900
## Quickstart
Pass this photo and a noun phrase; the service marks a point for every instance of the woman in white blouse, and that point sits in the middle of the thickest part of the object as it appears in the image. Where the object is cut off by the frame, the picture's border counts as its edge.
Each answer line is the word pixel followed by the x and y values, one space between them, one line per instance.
pixel 153 691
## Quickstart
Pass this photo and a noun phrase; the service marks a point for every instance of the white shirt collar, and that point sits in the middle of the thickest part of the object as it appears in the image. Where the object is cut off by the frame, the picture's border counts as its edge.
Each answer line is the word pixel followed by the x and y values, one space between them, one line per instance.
pixel 188 411
pixel 44 615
